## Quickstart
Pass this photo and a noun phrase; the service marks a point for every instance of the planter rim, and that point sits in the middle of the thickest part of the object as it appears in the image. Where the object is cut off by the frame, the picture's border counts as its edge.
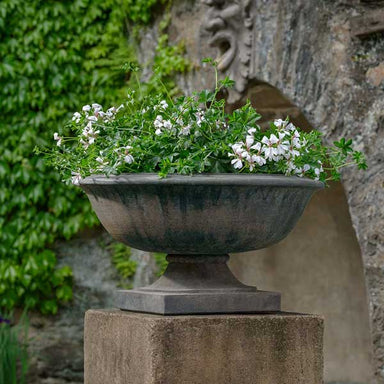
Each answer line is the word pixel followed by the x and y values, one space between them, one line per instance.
pixel 204 179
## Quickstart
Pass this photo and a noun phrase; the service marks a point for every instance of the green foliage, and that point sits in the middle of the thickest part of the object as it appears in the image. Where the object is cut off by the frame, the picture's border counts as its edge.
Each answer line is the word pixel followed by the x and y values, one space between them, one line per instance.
pixel 161 262
pixel 121 254
pixel 169 61
pixel 179 135
pixel 140 11
pixel 55 56
pixel 121 259
pixel 13 351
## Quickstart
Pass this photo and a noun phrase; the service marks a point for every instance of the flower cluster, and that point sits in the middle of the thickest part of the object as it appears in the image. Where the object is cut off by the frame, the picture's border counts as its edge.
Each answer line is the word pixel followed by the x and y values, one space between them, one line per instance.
pixel 286 146
pixel 177 123
pixel 190 135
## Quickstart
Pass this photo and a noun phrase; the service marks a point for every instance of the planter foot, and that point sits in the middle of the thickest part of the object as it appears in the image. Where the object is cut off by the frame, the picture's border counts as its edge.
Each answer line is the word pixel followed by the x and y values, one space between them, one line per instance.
pixel 197 284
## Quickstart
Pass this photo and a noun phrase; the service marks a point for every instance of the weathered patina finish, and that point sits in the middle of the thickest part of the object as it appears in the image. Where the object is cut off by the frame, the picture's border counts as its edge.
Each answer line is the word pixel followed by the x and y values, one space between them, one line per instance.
pixel 202 214
pixel 197 220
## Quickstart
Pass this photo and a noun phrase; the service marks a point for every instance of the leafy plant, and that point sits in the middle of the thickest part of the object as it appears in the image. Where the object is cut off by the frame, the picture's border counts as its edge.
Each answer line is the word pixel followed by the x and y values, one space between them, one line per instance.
pixel 13 351
pixel 121 259
pixel 189 135
pixel 140 11
pixel 161 262
pixel 56 55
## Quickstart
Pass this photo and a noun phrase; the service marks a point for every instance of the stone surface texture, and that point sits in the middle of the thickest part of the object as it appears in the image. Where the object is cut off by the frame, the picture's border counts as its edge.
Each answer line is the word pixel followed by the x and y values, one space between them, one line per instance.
pixel 307 51
pixel 128 348
pixel 318 268
pixel 211 213
pixel 56 342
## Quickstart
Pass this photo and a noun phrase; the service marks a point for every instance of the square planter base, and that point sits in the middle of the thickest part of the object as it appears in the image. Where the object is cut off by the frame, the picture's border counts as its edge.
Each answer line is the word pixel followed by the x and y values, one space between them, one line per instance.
pixel 198 302
pixel 134 348
pixel 197 284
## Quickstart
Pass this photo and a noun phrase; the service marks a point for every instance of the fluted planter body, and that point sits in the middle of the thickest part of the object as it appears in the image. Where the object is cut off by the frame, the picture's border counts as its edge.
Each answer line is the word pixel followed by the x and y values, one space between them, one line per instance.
pixel 197 221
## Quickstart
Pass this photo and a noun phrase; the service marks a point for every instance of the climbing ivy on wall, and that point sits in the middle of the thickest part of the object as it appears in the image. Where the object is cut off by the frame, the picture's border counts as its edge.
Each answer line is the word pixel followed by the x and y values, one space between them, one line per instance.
pixel 56 56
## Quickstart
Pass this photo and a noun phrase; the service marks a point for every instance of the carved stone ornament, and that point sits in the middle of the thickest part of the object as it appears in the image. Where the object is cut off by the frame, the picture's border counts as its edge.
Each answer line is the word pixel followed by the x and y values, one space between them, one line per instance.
pixel 229 25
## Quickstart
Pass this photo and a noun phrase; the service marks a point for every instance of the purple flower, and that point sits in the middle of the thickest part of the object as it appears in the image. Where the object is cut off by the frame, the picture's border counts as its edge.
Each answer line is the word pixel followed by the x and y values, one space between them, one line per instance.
pixel 5 321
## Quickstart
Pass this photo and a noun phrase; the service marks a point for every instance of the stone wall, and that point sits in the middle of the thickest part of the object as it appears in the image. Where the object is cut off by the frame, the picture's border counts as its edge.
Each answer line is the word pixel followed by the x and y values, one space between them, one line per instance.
pixel 56 342
pixel 327 58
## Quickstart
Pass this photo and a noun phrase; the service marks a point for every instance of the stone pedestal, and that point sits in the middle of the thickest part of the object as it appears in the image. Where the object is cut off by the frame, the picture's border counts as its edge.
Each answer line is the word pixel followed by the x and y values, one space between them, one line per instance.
pixel 133 348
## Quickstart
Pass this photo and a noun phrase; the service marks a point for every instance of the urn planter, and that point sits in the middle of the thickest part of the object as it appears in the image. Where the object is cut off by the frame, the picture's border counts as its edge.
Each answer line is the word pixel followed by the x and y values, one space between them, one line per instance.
pixel 197 220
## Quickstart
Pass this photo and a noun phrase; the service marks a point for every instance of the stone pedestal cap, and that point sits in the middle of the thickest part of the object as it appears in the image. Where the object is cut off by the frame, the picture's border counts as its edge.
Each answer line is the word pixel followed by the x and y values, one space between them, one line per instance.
pixel 132 348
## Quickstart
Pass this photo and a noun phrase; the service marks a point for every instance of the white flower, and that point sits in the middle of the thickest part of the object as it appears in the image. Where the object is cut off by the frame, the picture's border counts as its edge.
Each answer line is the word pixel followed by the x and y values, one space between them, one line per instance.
pixel 295 144
pixel 84 143
pixel 76 178
pixel 129 159
pixel 279 123
pixel 121 106
pixel 298 171
pixel 163 104
pixel 110 114
pixel 92 118
pixel 238 148
pixel 296 139
pixel 97 107
pixel 86 108
pixel 199 117
pixel 255 159
pixel 270 153
pixel 251 131
pixel 58 138
pixel 158 131
pixel 237 163
pixel 167 124
pixel 292 152
pixel 269 150
pixel 259 160
pixel 158 123
pixel 318 171
pixel 238 154
pixel 273 139
pixel 282 146
pixel 291 127
pixel 186 130
pixel 76 117
pixel 291 168
pixel 90 134
pixel 249 140
pixel 102 162
pixel 306 168
pixel 256 146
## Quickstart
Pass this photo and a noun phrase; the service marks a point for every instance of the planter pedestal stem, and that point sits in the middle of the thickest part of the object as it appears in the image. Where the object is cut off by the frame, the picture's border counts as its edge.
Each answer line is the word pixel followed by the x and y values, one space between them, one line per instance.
pixel 194 284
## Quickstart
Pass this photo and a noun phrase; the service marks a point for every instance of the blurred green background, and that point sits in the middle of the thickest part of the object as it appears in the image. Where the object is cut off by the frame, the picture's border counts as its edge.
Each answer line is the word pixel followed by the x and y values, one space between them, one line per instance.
pixel 56 57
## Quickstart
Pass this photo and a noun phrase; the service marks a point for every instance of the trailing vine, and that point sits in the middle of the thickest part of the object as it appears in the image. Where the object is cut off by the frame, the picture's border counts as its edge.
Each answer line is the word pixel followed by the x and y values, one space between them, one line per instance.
pixel 56 56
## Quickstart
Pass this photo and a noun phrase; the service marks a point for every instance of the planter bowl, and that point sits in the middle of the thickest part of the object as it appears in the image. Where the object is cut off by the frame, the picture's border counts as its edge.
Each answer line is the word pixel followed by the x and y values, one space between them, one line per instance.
pixel 204 214
pixel 198 220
